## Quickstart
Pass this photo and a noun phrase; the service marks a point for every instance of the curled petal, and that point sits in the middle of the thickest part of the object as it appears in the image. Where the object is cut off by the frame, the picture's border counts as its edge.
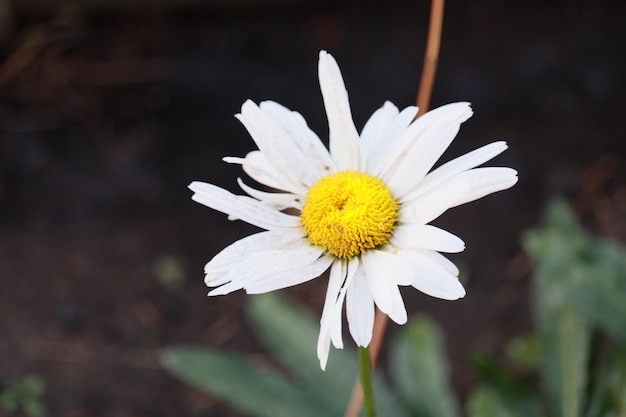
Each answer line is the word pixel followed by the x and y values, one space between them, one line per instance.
pixel 278 147
pixel 245 208
pixel 266 264
pixel 303 137
pixel 290 277
pixel 277 201
pixel 259 169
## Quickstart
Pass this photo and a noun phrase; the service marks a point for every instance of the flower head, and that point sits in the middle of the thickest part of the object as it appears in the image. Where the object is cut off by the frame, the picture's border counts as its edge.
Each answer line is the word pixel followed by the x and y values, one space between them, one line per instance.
pixel 363 207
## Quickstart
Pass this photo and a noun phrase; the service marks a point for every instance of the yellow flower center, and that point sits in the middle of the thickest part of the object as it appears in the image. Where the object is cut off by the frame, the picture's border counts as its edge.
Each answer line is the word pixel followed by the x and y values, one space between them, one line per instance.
pixel 348 213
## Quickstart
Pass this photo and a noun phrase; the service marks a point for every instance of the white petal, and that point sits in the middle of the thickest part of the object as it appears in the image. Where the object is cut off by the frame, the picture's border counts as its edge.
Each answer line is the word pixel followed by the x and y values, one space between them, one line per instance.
pixel 335 319
pixel 485 181
pixel 267 264
pixel 335 280
pixel 241 207
pixel 456 166
pixel 398 314
pixel 440 260
pixel 278 147
pixel 360 310
pixel 307 141
pixel 375 137
pixel 424 236
pixel 259 169
pixel 430 137
pixel 381 133
pixel 382 282
pixel 414 133
pixel 243 248
pixel 432 279
pixel 345 148
pixel 291 277
pixel 432 204
pixel 277 201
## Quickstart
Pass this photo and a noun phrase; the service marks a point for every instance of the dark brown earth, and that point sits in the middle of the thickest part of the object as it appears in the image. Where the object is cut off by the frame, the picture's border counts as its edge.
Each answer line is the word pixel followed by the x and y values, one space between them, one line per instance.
pixel 106 114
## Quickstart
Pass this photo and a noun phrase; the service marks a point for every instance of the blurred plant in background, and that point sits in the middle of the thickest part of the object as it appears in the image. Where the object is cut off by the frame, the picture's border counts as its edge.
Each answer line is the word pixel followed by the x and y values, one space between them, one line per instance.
pixel 24 394
pixel 575 365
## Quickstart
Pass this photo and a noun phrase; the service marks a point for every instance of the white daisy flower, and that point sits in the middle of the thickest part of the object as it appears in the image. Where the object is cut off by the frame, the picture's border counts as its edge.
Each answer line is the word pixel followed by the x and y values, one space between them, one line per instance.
pixel 364 207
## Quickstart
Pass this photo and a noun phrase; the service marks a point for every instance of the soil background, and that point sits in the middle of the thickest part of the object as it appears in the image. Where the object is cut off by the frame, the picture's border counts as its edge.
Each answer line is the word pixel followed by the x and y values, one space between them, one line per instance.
pixel 109 109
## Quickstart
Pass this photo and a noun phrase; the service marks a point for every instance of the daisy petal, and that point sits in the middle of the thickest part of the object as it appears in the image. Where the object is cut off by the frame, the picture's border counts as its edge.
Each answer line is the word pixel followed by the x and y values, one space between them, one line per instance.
pixel 267 264
pixel 344 144
pixel 243 248
pixel 241 207
pixel 277 201
pixel 291 277
pixel 257 167
pixel 335 280
pixel 375 134
pixel 381 133
pixel 398 314
pixel 307 141
pixel 382 281
pixel 434 280
pixel 456 166
pixel 485 181
pixel 439 259
pixel 424 236
pixel 432 204
pixel 428 137
pixel 360 310
pixel 279 147
pixel 335 319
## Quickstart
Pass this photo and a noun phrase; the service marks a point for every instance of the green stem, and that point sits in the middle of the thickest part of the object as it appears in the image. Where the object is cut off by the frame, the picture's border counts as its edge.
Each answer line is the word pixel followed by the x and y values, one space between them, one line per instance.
pixel 365 365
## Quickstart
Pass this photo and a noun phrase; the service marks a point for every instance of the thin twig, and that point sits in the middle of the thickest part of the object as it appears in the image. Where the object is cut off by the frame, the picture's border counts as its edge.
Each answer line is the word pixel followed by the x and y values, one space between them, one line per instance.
pixel 431 57
pixel 429 69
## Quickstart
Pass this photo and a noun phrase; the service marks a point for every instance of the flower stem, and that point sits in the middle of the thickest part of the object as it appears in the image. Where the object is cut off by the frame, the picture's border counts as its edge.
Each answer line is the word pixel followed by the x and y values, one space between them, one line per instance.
pixel 365 365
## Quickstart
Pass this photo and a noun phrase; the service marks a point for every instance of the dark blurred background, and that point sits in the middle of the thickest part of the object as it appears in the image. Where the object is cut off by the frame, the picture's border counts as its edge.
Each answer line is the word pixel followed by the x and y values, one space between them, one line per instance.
pixel 108 109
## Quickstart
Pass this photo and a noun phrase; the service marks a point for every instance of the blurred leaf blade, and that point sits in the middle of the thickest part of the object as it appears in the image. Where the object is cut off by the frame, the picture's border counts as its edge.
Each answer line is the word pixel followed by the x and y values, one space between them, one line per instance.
pixel 493 401
pixel 608 397
pixel 240 383
pixel 291 335
pixel 562 253
pixel 420 370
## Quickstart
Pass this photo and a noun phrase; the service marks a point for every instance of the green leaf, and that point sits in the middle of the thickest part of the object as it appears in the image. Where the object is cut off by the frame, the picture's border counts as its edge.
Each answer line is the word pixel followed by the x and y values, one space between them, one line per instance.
pixel 34 408
pixel 579 270
pixel 420 370
pixel 291 334
pixel 609 394
pixel 562 252
pixel 240 383
pixel 33 386
pixel 524 352
pixel 9 401
pixel 489 401
pixel 504 389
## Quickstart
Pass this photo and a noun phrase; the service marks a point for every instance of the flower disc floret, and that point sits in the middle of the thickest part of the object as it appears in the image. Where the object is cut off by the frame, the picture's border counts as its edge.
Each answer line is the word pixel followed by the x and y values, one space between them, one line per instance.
pixel 348 213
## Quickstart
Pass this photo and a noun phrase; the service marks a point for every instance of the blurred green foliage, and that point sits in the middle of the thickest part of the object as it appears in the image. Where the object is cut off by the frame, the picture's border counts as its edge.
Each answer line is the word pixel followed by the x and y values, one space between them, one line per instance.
pixel 575 365
pixel 170 272
pixel 24 394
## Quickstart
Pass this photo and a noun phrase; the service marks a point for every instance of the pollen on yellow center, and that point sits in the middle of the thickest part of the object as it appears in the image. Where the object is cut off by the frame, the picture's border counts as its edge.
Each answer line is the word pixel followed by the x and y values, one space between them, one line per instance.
pixel 348 213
